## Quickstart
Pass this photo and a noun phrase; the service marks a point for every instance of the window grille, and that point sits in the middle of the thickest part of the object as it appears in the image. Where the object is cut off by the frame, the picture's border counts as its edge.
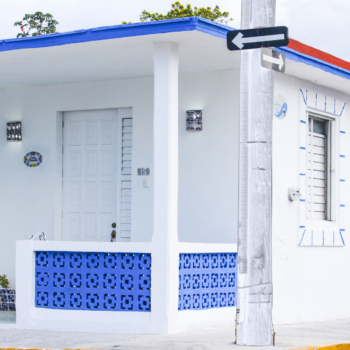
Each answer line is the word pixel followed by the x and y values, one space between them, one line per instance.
pixel 319 168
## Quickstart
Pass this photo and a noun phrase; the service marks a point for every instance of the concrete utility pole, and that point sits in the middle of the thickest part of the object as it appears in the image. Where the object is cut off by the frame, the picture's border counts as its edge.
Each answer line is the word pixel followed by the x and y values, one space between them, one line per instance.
pixel 254 292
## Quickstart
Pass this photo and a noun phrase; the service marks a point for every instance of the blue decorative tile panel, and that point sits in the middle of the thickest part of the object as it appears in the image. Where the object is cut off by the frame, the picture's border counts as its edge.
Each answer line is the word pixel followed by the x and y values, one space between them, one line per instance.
pixel 7 299
pixel 93 281
pixel 207 281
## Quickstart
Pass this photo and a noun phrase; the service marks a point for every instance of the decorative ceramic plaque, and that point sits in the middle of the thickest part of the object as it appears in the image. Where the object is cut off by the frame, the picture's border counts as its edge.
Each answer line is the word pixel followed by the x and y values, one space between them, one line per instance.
pixel 33 159
pixel 280 107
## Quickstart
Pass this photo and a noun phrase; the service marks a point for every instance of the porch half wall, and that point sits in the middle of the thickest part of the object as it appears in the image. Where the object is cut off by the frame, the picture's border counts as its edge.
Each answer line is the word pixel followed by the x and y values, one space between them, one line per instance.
pixel 50 292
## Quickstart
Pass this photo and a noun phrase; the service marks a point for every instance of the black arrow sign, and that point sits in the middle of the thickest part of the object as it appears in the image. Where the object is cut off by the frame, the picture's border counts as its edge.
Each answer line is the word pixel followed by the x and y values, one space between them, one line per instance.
pixel 256 38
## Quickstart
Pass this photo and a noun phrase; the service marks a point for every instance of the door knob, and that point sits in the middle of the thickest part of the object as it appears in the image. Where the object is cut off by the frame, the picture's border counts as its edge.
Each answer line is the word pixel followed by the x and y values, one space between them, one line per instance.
pixel 114 225
pixel 113 235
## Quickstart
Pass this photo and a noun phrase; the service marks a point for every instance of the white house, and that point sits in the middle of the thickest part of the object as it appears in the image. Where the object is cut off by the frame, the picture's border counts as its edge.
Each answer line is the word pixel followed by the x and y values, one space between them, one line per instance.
pixel 104 152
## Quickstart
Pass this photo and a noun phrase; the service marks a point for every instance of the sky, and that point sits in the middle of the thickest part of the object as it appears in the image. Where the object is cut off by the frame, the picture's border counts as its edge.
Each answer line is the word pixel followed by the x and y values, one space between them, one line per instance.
pixel 323 24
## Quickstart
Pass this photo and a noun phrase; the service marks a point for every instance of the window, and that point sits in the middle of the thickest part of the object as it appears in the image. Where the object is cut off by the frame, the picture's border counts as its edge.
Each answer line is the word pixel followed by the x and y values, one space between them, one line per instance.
pixel 319 180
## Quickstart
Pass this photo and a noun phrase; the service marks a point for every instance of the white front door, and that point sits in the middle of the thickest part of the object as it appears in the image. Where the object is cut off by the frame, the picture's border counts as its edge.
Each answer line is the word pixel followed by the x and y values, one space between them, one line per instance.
pixel 92 167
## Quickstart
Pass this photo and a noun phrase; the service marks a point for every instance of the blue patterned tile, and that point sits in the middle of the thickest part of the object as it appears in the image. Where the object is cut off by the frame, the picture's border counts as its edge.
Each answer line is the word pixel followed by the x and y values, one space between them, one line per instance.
pixel 93 281
pixel 5 307
pixel 207 281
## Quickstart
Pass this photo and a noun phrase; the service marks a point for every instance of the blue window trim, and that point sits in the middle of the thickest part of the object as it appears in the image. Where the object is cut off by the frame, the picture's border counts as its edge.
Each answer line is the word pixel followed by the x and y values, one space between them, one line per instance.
pixel 156 27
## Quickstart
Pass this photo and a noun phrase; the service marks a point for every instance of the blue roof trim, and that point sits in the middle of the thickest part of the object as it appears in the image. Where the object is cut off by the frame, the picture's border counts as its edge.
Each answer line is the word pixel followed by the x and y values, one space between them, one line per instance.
pixel 156 27
pixel 313 61
pixel 118 31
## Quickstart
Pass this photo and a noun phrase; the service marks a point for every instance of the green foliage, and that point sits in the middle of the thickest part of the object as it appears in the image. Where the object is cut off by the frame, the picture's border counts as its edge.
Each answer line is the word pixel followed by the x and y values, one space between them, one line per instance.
pixel 180 11
pixel 4 282
pixel 42 23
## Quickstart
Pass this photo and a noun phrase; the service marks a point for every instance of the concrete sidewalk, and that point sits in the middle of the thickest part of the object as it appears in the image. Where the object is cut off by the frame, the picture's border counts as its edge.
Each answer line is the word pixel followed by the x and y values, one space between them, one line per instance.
pixel 287 337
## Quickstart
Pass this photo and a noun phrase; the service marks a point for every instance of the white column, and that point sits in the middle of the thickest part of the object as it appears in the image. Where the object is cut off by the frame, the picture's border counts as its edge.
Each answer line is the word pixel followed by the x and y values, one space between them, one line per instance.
pixel 254 292
pixel 25 284
pixel 165 256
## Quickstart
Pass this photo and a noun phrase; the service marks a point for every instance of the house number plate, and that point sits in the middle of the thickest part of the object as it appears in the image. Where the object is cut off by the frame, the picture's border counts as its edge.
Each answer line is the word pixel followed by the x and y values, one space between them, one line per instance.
pixel 143 171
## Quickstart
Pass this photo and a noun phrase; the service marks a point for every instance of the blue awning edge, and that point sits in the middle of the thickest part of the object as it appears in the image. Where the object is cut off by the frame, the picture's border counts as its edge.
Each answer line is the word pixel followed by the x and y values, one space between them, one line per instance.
pixel 314 62
pixel 155 27
pixel 118 31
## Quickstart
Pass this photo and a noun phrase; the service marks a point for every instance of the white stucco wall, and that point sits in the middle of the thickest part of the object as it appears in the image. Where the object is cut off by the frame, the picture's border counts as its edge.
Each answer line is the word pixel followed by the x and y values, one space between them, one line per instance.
pixel 28 200
pixel 207 160
pixel 309 283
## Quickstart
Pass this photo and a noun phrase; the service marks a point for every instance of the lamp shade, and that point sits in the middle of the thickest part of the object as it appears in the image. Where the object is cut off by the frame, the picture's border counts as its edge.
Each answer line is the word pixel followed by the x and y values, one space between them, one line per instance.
pixel 194 120
pixel 14 131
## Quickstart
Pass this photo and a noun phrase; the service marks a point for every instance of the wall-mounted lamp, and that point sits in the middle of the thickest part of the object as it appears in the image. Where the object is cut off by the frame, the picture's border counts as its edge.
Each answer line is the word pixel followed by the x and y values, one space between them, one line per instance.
pixel 14 131
pixel 194 121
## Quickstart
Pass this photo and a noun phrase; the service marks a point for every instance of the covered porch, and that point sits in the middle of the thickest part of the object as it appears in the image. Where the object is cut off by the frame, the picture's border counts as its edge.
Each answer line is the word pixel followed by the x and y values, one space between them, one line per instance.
pixel 171 265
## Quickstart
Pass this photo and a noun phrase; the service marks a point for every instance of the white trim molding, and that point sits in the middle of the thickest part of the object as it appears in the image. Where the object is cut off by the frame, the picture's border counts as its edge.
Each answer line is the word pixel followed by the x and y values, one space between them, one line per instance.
pixel 330 232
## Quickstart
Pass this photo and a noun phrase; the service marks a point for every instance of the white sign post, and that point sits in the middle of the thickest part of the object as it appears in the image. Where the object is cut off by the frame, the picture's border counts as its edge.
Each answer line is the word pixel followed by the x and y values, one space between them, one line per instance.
pixel 254 292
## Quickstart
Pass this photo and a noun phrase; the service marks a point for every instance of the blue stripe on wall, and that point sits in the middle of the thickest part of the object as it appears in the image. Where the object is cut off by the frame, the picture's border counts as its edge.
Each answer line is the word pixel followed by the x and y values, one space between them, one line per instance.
pixel 323 238
pixel 342 109
pixel 302 237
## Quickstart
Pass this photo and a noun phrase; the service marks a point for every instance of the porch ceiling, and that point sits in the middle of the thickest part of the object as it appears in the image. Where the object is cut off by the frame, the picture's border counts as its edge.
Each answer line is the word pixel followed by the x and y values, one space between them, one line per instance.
pixel 111 59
